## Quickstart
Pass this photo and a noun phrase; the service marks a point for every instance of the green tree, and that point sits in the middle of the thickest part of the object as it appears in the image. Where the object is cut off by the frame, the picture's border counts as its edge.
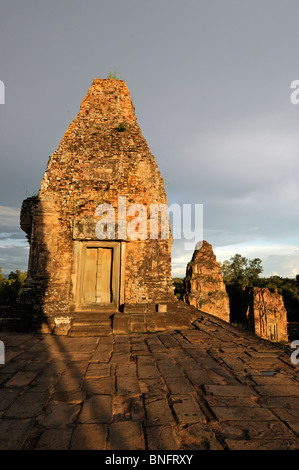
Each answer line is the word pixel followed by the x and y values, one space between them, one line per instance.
pixel 179 287
pixel 252 271
pixel 241 272
pixel 2 279
pixel 11 287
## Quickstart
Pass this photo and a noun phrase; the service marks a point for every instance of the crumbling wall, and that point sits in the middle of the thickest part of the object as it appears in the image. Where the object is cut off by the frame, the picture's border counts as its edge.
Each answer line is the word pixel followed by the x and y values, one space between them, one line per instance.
pixel 204 286
pixel 267 315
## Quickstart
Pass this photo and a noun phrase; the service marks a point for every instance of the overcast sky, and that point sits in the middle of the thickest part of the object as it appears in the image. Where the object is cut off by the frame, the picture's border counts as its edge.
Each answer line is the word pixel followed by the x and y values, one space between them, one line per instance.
pixel 210 81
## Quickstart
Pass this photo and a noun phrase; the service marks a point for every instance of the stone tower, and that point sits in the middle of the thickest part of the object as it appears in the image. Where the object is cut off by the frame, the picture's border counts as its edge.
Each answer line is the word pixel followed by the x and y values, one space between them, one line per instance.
pixel 204 284
pixel 267 315
pixel 103 158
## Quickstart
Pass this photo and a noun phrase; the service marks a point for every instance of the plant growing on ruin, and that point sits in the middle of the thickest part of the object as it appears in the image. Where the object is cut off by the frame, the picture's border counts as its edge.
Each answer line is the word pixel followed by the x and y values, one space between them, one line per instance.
pixel 121 127
pixel 113 75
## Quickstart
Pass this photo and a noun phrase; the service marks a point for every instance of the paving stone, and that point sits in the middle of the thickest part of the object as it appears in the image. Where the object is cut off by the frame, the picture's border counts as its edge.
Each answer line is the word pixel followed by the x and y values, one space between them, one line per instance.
pixel 89 437
pixel 185 362
pixel 59 415
pixel 68 383
pixel 53 440
pixel 144 361
pixel 223 377
pixel 101 355
pixel 247 401
pixel 178 385
pixel 33 366
pixel 137 409
pixel 99 386
pixel 97 409
pixel 11 353
pixel 126 435
pixel 96 370
pixel 279 402
pixel 199 377
pixel 68 397
pixel 126 370
pixel 140 349
pixel 158 412
pixel 13 433
pixel 127 385
pixel 76 368
pixel 121 349
pixel 155 345
pixel 148 371
pixel 27 405
pixel 230 391
pixel 258 444
pixel 294 425
pixel 7 397
pixel 125 408
pixel 153 387
pixel 5 378
pixel 169 369
pixel 199 437
pixel 120 358
pixel 278 390
pixel 11 368
pixel 121 408
pixel 161 438
pixel 21 379
pixel 253 430
pixel 288 415
pixel 45 381
pixel 241 413
pixel 186 409
pixel 168 341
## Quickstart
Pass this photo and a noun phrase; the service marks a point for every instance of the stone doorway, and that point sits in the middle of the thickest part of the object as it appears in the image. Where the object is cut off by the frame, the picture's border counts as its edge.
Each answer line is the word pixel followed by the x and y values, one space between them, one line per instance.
pixel 99 276
pixel 272 329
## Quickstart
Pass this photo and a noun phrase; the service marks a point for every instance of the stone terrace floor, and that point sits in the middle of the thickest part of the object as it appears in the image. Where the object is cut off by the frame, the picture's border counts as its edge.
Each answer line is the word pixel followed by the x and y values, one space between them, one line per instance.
pixel 207 387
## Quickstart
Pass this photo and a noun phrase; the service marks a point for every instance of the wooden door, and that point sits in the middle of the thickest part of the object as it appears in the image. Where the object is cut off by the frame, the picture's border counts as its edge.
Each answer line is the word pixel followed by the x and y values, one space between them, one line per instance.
pixel 97 276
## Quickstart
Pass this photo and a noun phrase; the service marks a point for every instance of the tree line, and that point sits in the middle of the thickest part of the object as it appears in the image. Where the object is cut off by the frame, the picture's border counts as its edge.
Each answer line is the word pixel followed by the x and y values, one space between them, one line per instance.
pixel 11 287
pixel 240 274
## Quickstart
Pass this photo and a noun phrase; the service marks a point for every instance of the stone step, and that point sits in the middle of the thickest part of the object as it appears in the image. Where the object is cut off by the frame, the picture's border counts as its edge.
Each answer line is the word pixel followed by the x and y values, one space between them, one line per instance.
pixel 94 316
pixel 90 330
pixel 91 324
pixel 88 321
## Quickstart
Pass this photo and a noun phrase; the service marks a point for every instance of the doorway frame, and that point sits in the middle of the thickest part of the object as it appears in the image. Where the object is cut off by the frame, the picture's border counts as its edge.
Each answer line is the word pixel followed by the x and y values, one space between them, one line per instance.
pixel 118 262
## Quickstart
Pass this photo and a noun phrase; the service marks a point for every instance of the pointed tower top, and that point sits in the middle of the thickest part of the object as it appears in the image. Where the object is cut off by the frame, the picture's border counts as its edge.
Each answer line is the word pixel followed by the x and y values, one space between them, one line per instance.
pixel 108 101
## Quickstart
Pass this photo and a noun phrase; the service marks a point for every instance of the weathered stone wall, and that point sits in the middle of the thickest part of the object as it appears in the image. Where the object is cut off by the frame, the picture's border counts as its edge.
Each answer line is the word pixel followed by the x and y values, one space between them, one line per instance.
pixel 204 286
pixel 103 155
pixel 267 315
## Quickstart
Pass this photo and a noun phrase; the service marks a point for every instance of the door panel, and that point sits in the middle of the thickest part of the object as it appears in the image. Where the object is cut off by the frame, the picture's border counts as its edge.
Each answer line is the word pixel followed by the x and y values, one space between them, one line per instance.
pixel 103 292
pixel 97 283
pixel 90 279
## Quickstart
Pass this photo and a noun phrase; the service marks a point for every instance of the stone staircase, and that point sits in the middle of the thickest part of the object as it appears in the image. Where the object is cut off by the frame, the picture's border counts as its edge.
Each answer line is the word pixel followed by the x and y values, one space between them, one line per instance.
pixel 92 323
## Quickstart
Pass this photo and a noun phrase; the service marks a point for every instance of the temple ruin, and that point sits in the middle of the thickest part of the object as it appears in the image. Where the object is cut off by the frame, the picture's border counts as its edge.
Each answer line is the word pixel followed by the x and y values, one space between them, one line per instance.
pixel 204 286
pixel 75 277
pixel 266 313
